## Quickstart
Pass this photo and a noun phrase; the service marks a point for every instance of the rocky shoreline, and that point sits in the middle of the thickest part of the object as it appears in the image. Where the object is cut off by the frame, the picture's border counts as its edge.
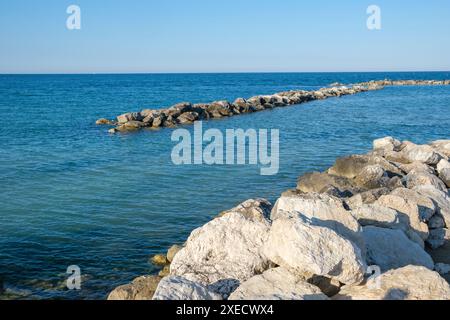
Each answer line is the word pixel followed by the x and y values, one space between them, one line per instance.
pixel 387 211
pixel 187 113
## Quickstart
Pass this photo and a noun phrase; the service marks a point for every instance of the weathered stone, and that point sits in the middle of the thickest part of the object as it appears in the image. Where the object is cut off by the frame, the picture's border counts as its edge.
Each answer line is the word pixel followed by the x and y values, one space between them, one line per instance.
pixel 296 243
pixel 173 250
pixel 164 271
pixel 442 268
pixel 443 168
pixel 417 167
pixel 188 117
pixel 159 260
pixel 391 249
pixel 440 198
pixel 366 197
pixel 436 222
pixel 388 143
pixel 377 215
pixel 408 214
pixel 318 182
pixel 323 210
pixel 277 284
pixel 254 209
pixel 104 121
pixel 407 283
pixel 438 238
pixel 420 178
pixel 226 248
pixel 131 116
pixel 141 288
pixel 351 166
pixel 372 177
pixel 421 153
pixel 175 288
pixel 426 206
pixel 442 146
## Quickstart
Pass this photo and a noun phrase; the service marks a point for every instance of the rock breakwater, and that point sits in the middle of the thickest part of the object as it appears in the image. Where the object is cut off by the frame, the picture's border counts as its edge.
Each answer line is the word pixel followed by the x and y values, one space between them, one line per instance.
pixel 387 210
pixel 186 113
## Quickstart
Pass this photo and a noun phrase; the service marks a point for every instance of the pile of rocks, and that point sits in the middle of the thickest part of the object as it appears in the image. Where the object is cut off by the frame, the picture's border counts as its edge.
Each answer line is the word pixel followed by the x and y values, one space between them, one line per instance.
pixel 187 113
pixel 388 211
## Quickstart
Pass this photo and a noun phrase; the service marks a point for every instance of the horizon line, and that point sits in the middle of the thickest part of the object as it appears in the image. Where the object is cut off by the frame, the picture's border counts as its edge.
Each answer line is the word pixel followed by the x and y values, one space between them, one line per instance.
pixel 211 72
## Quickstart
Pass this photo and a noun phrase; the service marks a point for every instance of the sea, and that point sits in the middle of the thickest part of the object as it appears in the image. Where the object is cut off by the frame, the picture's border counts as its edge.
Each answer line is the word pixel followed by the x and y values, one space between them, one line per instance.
pixel 71 194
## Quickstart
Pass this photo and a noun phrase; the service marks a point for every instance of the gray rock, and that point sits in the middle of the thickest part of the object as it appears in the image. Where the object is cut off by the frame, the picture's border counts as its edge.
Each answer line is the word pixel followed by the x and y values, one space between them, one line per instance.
pixel 420 178
pixel 421 153
pixel 388 143
pixel 377 215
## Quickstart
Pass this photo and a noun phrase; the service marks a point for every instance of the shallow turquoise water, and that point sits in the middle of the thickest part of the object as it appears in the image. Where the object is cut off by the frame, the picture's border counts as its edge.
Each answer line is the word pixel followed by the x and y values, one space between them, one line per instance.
pixel 72 194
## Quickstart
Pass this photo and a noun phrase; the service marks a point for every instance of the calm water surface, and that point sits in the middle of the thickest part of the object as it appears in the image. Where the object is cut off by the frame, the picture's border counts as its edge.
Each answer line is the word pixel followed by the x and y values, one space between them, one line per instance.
pixel 71 194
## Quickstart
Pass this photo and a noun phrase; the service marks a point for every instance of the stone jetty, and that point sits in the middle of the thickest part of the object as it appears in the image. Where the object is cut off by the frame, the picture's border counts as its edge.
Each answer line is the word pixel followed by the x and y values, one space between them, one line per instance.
pixel 373 226
pixel 187 113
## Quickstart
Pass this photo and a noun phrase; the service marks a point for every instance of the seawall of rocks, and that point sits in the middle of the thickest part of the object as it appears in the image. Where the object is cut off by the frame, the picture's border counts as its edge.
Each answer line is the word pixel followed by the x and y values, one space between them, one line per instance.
pixel 187 113
pixel 387 211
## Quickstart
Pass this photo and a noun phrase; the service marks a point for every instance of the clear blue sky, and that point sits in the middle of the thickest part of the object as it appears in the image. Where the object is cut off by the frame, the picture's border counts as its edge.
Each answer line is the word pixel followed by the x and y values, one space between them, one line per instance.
pixel 223 36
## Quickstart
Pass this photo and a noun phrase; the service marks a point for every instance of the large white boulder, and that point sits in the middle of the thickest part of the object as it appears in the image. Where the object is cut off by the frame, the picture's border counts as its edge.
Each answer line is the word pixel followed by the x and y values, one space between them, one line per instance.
pixel 277 284
pixel 323 210
pixel 407 283
pixel 302 246
pixel 409 215
pixel 391 249
pixel 224 252
pixel 178 288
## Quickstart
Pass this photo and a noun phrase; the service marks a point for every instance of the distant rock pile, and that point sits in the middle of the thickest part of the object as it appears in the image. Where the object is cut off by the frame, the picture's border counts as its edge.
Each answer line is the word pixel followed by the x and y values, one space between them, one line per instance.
pixel 387 210
pixel 187 113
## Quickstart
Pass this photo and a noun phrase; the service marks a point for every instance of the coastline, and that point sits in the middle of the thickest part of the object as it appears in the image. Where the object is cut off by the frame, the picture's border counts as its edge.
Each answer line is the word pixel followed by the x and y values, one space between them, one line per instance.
pixel 389 208
pixel 185 113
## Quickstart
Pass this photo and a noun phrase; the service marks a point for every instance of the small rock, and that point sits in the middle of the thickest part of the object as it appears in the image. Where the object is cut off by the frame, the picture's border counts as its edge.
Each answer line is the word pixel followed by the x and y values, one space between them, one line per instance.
pixel 372 177
pixel 165 271
pixel 317 182
pixel 442 268
pixel 438 238
pixel 277 284
pixel 159 260
pixel 173 250
pixel 141 288
pixel 388 143
pixel 104 121
pixel 178 288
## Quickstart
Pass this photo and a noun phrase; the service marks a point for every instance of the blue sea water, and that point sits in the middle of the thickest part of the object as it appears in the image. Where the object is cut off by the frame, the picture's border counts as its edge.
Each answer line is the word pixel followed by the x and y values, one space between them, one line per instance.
pixel 71 194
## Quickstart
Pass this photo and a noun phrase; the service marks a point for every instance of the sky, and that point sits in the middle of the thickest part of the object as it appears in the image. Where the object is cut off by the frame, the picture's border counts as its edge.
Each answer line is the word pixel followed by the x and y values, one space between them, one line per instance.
pixel 146 36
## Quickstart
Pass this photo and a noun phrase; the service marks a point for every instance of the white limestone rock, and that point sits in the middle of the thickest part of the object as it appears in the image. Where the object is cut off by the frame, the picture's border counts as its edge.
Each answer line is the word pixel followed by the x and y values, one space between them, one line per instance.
pixel 408 213
pixel 421 153
pixel 407 283
pixel 377 215
pixel 387 143
pixel 277 284
pixel 224 252
pixel 302 246
pixel 323 210
pixel 421 178
pixel 391 249
pixel 175 288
